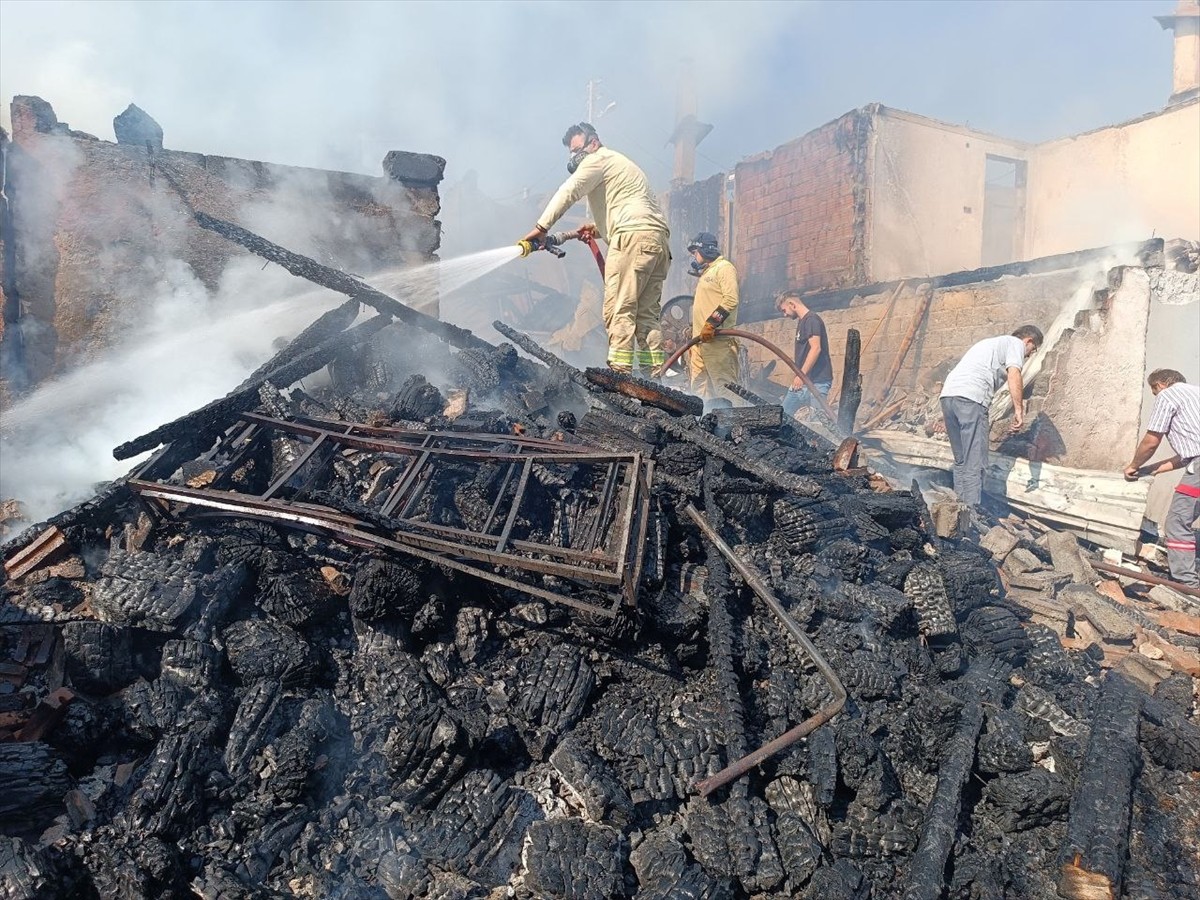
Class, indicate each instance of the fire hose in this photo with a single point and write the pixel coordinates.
(552, 243)
(746, 335)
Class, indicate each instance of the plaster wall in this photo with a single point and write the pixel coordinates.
(927, 195)
(1117, 184)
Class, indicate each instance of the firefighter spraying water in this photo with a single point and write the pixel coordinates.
(626, 216)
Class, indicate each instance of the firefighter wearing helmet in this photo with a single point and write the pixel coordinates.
(714, 361)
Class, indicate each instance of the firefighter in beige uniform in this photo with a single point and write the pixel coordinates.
(714, 361)
(628, 218)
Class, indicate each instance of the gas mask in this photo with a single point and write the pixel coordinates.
(698, 268)
(575, 159)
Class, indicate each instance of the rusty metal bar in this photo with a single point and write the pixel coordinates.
(405, 480)
(508, 473)
(1146, 577)
(554, 449)
(274, 510)
(516, 504)
(812, 723)
(360, 430)
(305, 513)
(647, 474)
(242, 445)
(597, 530)
(584, 556)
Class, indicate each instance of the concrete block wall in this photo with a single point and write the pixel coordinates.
(96, 227)
(956, 318)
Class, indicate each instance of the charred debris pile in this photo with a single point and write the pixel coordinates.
(525, 635)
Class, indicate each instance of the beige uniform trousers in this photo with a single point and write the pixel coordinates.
(712, 365)
(634, 273)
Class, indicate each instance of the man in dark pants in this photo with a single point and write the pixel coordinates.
(965, 397)
(811, 354)
(1176, 416)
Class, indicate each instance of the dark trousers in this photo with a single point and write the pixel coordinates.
(967, 428)
(1181, 538)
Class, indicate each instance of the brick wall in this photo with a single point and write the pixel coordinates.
(97, 228)
(799, 218)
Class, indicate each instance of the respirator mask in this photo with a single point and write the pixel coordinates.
(575, 159)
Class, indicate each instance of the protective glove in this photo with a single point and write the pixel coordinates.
(712, 323)
(587, 232)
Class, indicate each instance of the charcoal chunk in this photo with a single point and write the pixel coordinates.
(593, 781)
(99, 657)
(998, 630)
(554, 683)
(1026, 800)
(570, 858)
(259, 649)
(384, 589)
(478, 828)
(664, 871)
(33, 780)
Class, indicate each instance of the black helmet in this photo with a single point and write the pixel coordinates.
(706, 243)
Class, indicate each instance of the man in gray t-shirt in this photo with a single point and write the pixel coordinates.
(965, 397)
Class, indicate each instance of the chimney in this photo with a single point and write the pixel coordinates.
(1185, 22)
(689, 131)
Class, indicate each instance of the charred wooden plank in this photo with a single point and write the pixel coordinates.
(39, 551)
(927, 870)
(49, 713)
(325, 326)
(754, 419)
(851, 383)
(647, 392)
(310, 270)
(212, 418)
(1092, 858)
(722, 450)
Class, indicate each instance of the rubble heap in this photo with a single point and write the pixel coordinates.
(222, 705)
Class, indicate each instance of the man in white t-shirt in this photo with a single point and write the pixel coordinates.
(966, 395)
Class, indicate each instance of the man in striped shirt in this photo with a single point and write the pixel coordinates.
(1176, 416)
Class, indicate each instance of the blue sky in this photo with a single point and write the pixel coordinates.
(492, 85)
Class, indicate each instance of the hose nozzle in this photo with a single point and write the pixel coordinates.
(549, 242)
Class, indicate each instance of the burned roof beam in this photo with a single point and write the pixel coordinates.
(311, 270)
(212, 418)
(325, 326)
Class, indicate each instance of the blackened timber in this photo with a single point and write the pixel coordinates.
(303, 267)
(785, 481)
(530, 346)
(851, 383)
(326, 325)
(926, 876)
(1092, 859)
(212, 418)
